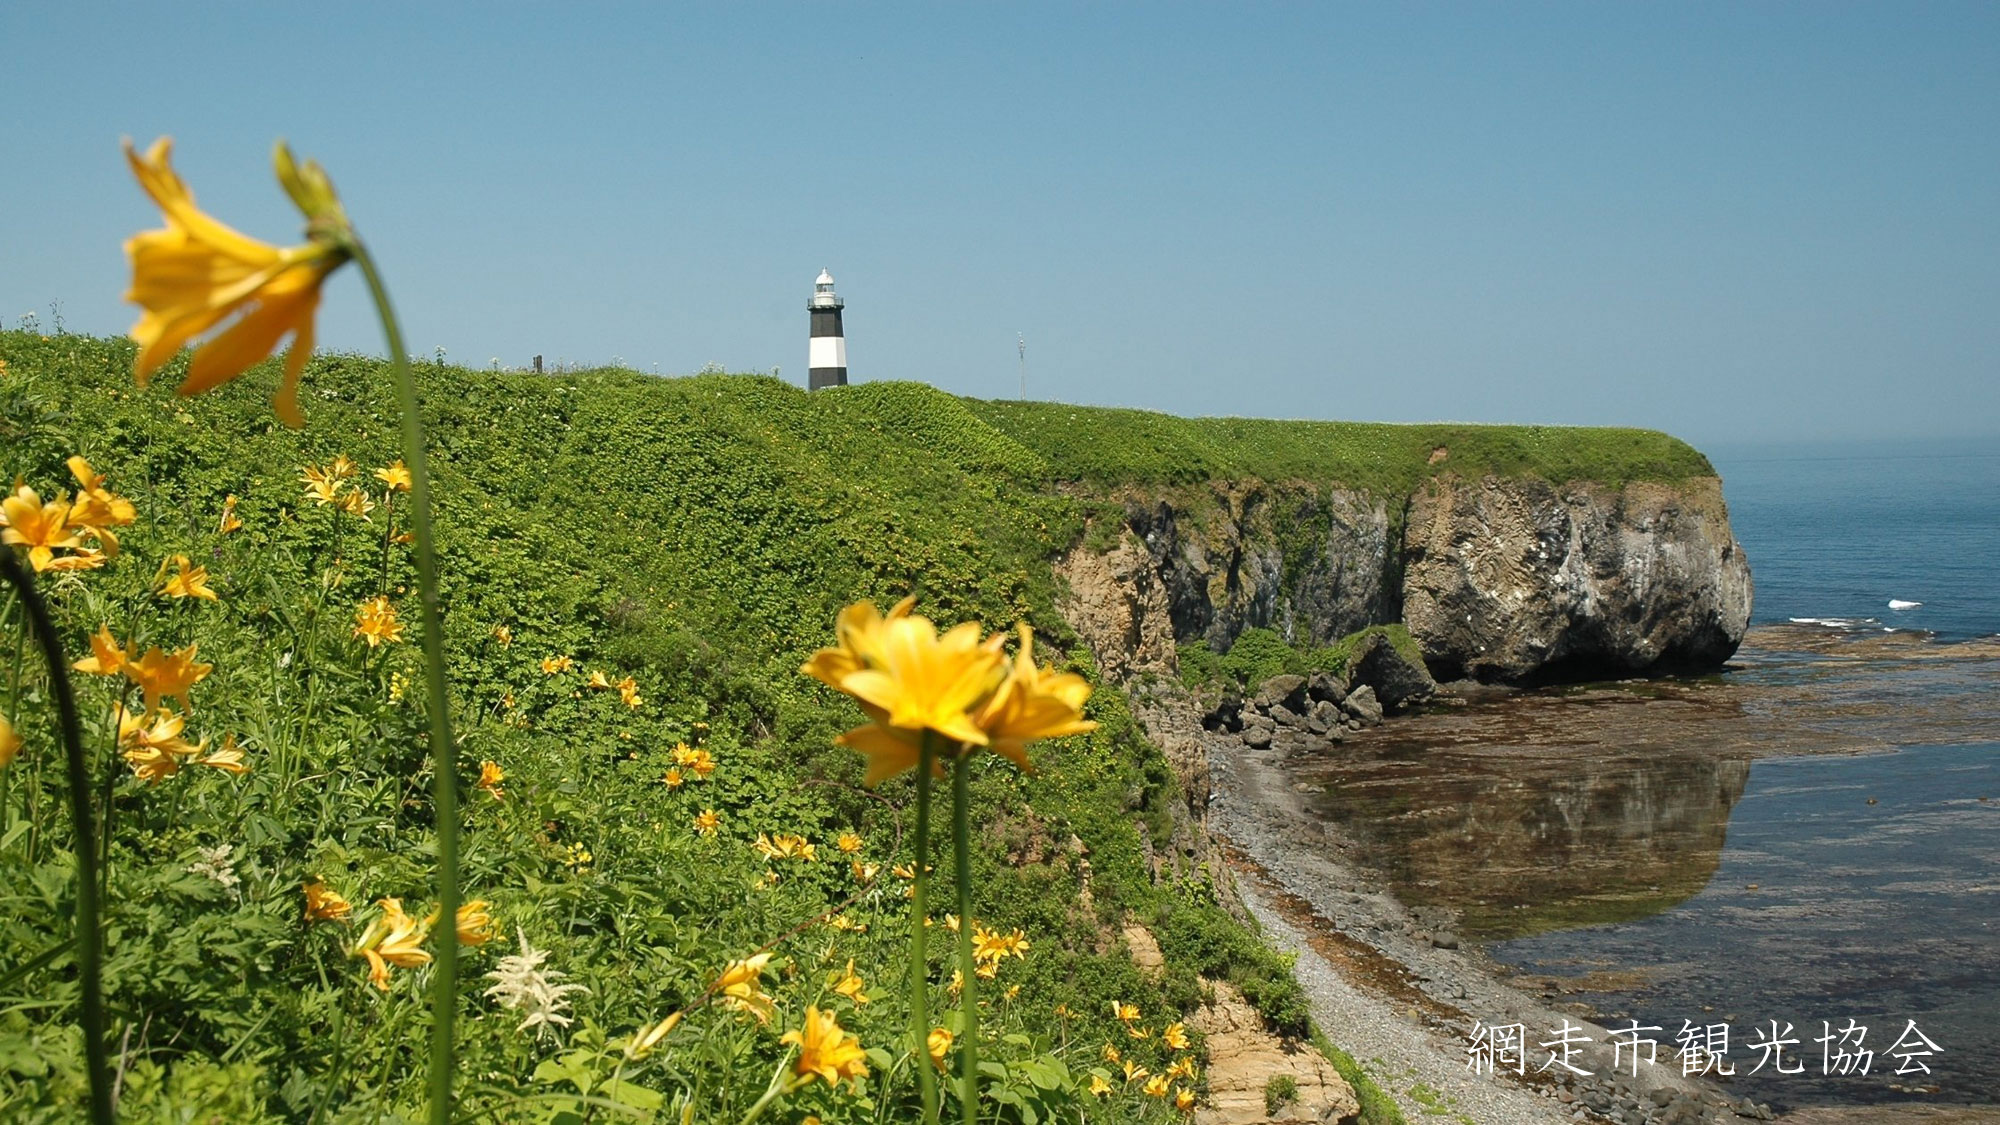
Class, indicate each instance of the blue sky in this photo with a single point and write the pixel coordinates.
(1734, 222)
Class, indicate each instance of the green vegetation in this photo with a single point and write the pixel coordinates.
(1113, 447)
(694, 537)
(1259, 654)
(1279, 1092)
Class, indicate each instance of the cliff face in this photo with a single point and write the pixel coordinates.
(1505, 579)
(1498, 578)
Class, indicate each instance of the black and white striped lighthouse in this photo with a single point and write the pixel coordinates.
(826, 356)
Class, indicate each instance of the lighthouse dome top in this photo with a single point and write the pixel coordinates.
(823, 295)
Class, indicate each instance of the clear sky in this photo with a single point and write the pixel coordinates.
(1733, 221)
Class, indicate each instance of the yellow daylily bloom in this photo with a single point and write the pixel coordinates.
(322, 486)
(938, 1044)
(598, 681)
(850, 985)
(503, 635)
(375, 621)
(229, 522)
(672, 779)
(1174, 1035)
(865, 872)
(197, 274)
(475, 926)
(190, 581)
(702, 763)
(707, 821)
(741, 986)
(553, 664)
(1133, 1071)
(396, 475)
(826, 1051)
(10, 742)
(858, 635)
(228, 758)
(1156, 1086)
(490, 777)
(356, 504)
(392, 938)
(1110, 1053)
(160, 675)
(97, 507)
(1124, 1012)
(1099, 1086)
(152, 744)
(1183, 1067)
(42, 528)
(323, 904)
(107, 657)
(848, 842)
(646, 1038)
(1032, 704)
(1183, 1099)
(342, 467)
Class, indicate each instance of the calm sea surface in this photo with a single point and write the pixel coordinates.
(1838, 532)
(1848, 888)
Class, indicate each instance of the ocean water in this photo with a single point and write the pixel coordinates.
(1847, 888)
(1835, 532)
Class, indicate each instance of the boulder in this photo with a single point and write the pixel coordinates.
(1325, 687)
(1325, 717)
(1282, 690)
(1286, 717)
(1258, 737)
(1362, 704)
(1398, 679)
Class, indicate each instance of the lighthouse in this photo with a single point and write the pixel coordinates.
(826, 356)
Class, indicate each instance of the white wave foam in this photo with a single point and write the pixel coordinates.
(1898, 603)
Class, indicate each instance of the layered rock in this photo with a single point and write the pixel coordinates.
(1499, 578)
(1516, 578)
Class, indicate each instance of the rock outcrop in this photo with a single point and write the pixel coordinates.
(1516, 578)
(1501, 578)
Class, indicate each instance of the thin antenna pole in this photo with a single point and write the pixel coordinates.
(1021, 344)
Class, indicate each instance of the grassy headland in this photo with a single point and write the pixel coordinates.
(694, 537)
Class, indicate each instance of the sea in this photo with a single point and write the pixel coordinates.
(1830, 919)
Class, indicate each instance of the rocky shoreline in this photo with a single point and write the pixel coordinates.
(1393, 982)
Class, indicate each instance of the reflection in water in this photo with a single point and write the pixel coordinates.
(1524, 842)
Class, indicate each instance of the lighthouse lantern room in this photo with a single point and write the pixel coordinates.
(826, 356)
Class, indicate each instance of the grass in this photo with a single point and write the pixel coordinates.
(696, 537)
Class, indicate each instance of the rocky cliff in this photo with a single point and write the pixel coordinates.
(1498, 578)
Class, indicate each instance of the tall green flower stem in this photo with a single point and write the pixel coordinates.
(920, 1017)
(89, 925)
(444, 764)
(968, 1002)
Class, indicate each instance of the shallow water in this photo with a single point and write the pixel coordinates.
(1705, 849)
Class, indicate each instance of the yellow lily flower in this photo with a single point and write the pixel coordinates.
(42, 528)
(1033, 704)
(228, 758)
(356, 504)
(475, 926)
(323, 904)
(1156, 1086)
(938, 1044)
(392, 938)
(1174, 1035)
(646, 1038)
(160, 675)
(1183, 1099)
(490, 777)
(375, 621)
(396, 475)
(826, 1051)
(190, 581)
(152, 744)
(707, 821)
(848, 842)
(741, 986)
(1099, 1086)
(850, 985)
(96, 507)
(197, 273)
(107, 657)
(229, 521)
(10, 742)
